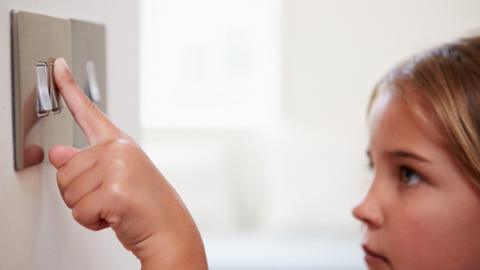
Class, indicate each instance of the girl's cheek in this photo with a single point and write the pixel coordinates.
(412, 236)
(425, 233)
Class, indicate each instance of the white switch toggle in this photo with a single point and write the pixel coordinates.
(92, 85)
(48, 99)
(44, 102)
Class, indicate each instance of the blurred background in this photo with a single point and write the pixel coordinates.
(255, 110)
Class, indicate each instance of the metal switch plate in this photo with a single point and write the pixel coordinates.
(89, 66)
(37, 39)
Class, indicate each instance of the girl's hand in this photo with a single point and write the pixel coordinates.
(114, 184)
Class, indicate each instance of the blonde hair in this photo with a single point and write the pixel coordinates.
(447, 78)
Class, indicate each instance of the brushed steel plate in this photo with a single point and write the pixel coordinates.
(36, 38)
(88, 44)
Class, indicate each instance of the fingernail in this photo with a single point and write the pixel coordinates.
(61, 61)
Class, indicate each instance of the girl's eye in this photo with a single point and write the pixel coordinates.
(409, 177)
(370, 165)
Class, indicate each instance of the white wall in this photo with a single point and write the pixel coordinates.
(334, 52)
(36, 228)
(305, 176)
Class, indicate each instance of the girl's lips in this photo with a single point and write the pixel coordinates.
(374, 257)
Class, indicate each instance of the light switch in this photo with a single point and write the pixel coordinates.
(89, 66)
(48, 99)
(44, 102)
(92, 85)
(38, 121)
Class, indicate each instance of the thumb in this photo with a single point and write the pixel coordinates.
(61, 154)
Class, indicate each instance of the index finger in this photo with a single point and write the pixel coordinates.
(96, 126)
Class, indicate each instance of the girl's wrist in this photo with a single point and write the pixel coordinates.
(191, 260)
(179, 254)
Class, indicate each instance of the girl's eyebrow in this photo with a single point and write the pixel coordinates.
(407, 154)
(404, 154)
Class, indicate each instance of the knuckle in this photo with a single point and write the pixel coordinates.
(76, 213)
(86, 109)
(90, 106)
(119, 153)
(118, 193)
(121, 145)
(61, 178)
(118, 165)
(68, 198)
(61, 173)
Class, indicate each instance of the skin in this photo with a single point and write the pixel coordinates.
(114, 184)
(421, 211)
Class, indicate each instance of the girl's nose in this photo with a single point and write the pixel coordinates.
(369, 211)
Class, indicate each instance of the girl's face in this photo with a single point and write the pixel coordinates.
(421, 211)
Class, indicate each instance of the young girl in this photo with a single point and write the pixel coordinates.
(423, 207)
(422, 210)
